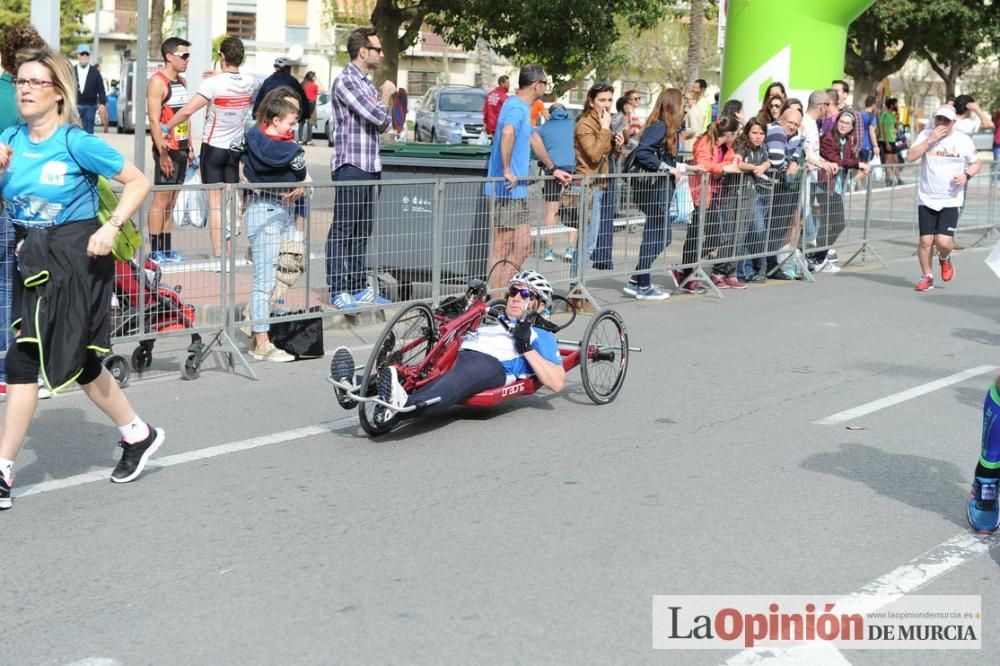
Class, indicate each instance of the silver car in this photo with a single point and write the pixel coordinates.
(450, 114)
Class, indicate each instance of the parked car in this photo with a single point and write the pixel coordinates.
(323, 122)
(450, 114)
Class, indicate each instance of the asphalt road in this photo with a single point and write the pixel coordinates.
(534, 533)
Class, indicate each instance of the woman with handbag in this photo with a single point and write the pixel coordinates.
(594, 144)
(63, 259)
(657, 153)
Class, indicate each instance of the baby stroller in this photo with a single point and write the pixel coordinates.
(144, 306)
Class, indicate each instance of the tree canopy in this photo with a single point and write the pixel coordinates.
(71, 29)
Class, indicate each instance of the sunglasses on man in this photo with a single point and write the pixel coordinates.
(523, 292)
(183, 56)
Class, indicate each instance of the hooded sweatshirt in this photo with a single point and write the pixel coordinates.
(270, 159)
(557, 135)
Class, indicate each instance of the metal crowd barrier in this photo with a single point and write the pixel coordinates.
(426, 238)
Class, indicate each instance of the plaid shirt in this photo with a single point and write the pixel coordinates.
(360, 118)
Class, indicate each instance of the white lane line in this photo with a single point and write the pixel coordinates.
(903, 396)
(191, 456)
(915, 574)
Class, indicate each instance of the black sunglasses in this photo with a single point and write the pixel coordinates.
(523, 292)
(373, 48)
(183, 56)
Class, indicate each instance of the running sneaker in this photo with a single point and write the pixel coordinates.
(389, 388)
(569, 254)
(831, 255)
(343, 301)
(368, 296)
(135, 456)
(342, 365)
(630, 288)
(982, 511)
(733, 283)
(718, 281)
(757, 278)
(694, 287)
(828, 267)
(947, 270)
(926, 283)
(268, 352)
(5, 485)
(549, 256)
(159, 257)
(651, 293)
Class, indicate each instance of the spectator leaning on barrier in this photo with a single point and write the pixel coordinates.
(270, 155)
(511, 159)
(48, 167)
(91, 98)
(756, 192)
(816, 109)
(166, 94)
(557, 135)
(784, 150)
(713, 151)
(491, 106)
(595, 146)
(948, 161)
(228, 94)
(837, 147)
(362, 114)
(657, 153)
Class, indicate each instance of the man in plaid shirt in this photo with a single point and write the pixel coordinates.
(361, 113)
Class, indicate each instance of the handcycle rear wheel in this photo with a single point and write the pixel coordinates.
(604, 357)
(405, 341)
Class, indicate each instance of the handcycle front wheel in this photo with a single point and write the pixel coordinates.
(405, 341)
(604, 357)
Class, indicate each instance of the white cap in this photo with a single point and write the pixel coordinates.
(946, 111)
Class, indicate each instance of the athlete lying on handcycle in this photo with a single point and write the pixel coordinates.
(492, 355)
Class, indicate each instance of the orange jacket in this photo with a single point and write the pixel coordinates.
(707, 156)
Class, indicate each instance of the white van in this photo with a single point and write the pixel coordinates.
(126, 93)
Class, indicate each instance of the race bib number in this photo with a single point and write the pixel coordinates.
(182, 131)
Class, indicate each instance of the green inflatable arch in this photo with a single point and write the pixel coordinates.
(800, 44)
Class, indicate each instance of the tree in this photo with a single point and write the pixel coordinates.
(568, 37)
(71, 29)
(880, 42)
(694, 47)
(971, 35)
(156, 10)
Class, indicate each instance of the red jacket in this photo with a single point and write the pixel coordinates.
(831, 150)
(707, 156)
(491, 108)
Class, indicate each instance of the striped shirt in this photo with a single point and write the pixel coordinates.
(360, 118)
(782, 150)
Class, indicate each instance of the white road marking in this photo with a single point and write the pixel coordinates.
(95, 661)
(191, 456)
(903, 396)
(915, 574)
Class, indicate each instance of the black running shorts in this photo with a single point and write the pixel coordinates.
(937, 222)
(218, 165)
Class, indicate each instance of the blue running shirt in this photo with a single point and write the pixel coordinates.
(46, 184)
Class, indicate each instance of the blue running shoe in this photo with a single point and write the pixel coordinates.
(368, 296)
(158, 257)
(343, 301)
(984, 517)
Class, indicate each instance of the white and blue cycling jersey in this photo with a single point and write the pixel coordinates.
(498, 342)
(54, 181)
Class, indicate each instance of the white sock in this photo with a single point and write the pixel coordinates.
(135, 430)
(7, 469)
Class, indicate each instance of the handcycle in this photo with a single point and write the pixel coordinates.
(423, 344)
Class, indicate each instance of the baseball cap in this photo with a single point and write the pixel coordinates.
(282, 61)
(946, 111)
(83, 48)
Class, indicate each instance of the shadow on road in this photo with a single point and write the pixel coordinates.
(924, 483)
(92, 445)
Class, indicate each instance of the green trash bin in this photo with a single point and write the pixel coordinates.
(406, 211)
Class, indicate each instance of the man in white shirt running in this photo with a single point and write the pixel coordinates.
(949, 161)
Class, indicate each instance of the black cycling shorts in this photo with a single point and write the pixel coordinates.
(218, 165)
(180, 160)
(937, 222)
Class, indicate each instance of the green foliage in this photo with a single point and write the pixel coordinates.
(71, 29)
(216, 45)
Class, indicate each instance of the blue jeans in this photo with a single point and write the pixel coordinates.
(88, 114)
(656, 233)
(593, 227)
(268, 223)
(996, 160)
(6, 287)
(347, 240)
(755, 240)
